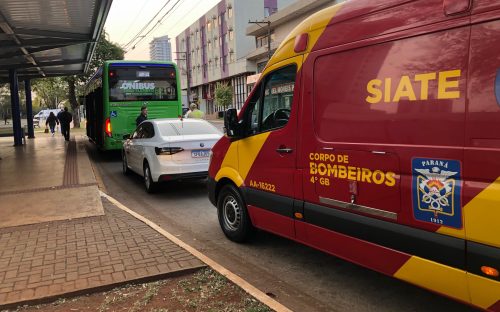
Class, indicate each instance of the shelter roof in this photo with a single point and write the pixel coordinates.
(44, 38)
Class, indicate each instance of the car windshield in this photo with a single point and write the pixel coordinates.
(186, 128)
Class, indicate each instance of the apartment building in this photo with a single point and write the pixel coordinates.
(279, 25)
(160, 49)
(215, 48)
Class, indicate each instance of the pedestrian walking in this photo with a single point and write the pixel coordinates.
(5, 117)
(59, 118)
(195, 112)
(65, 119)
(51, 122)
(142, 116)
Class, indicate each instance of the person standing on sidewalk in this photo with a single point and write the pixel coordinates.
(65, 119)
(143, 116)
(51, 122)
(195, 112)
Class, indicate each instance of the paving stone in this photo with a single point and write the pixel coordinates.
(52, 258)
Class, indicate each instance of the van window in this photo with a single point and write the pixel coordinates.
(271, 104)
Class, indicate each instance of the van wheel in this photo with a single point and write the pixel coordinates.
(233, 215)
(148, 180)
(125, 168)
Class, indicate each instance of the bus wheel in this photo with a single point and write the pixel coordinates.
(233, 215)
(148, 180)
(125, 168)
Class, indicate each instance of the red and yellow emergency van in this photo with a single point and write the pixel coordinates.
(373, 134)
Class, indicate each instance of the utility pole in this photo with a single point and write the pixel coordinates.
(268, 35)
(188, 91)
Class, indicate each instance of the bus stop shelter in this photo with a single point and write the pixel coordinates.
(41, 38)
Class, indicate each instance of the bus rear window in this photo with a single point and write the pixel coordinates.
(143, 83)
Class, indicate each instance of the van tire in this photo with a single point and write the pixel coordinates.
(148, 180)
(233, 215)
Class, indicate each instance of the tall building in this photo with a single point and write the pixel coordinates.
(215, 49)
(160, 49)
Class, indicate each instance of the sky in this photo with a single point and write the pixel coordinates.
(127, 17)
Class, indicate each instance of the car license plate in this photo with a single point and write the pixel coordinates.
(200, 153)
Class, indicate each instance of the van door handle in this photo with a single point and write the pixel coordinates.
(284, 150)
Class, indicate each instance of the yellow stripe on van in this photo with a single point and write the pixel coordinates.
(482, 217)
(314, 25)
(435, 276)
(484, 292)
(240, 156)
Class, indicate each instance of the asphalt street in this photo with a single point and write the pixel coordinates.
(299, 277)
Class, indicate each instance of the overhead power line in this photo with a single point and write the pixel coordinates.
(145, 26)
(157, 24)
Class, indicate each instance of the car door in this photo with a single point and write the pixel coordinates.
(267, 155)
(131, 149)
(146, 143)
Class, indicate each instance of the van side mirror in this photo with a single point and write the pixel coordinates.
(231, 123)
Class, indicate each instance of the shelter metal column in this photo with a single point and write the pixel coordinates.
(16, 112)
(29, 109)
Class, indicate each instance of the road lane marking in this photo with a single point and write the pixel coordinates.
(246, 286)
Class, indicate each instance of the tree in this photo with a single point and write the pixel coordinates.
(223, 94)
(105, 50)
(51, 91)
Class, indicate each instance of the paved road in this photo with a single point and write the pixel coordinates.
(297, 276)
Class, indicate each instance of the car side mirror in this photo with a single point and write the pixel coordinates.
(231, 122)
(126, 136)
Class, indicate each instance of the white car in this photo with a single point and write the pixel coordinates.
(169, 149)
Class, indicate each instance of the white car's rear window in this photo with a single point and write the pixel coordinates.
(186, 128)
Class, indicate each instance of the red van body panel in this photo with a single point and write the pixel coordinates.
(390, 157)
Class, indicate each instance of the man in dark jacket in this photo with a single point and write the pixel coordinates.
(58, 116)
(65, 119)
(143, 116)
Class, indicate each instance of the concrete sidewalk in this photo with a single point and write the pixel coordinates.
(58, 237)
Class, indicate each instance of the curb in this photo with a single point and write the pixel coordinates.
(102, 288)
(243, 284)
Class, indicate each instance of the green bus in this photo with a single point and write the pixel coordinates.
(117, 91)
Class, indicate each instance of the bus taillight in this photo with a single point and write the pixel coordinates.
(107, 127)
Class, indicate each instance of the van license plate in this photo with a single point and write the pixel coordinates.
(200, 153)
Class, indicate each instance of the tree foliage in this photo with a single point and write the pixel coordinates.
(105, 50)
(51, 91)
(223, 94)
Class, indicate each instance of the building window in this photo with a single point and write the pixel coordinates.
(230, 11)
(261, 41)
(231, 34)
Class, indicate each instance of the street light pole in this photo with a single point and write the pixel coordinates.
(188, 84)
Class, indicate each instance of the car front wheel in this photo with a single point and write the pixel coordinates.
(148, 180)
(233, 215)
